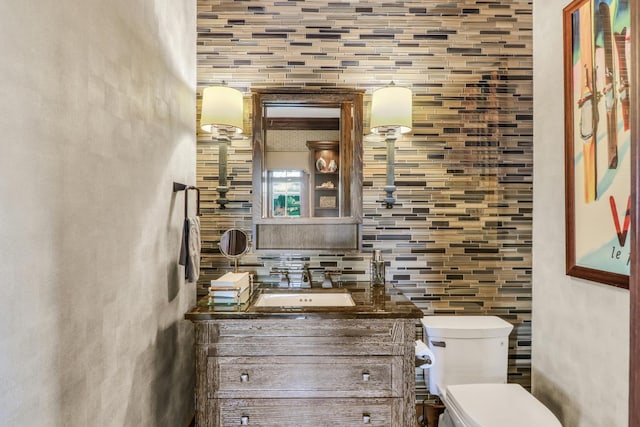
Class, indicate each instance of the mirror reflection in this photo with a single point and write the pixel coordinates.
(234, 243)
(307, 168)
(302, 158)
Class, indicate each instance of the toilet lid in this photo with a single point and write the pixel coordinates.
(498, 405)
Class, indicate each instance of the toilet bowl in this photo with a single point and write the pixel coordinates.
(470, 375)
(494, 405)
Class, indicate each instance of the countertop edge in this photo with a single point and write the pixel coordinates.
(371, 303)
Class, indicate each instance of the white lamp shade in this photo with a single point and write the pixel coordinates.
(391, 108)
(221, 108)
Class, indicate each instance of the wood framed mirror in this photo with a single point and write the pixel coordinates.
(307, 169)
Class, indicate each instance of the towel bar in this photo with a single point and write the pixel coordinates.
(183, 187)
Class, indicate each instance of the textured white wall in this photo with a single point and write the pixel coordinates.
(97, 109)
(580, 328)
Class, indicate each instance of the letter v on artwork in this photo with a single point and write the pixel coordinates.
(621, 232)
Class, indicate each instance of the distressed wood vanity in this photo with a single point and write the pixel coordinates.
(311, 366)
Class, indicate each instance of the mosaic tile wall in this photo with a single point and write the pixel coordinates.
(459, 240)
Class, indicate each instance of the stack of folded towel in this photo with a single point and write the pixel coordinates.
(232, 288)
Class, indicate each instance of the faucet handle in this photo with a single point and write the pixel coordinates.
(307, 278)
(333, 276)
(283, 276)
(284, 279)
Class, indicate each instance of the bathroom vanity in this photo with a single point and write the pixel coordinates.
(307, 366)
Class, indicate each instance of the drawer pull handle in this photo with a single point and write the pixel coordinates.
(366, 419)
(366, 376)
(244, 421)
(244, 378)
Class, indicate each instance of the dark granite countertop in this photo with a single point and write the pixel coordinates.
(370, 303)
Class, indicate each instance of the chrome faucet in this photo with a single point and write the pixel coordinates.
(293, 276)
(307, 278)
(300, 276)
(284, 279)
(327, 282)
(283, 275)
(332, 278)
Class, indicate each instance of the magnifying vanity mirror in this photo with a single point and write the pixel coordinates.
(234, 243)
(307, 169)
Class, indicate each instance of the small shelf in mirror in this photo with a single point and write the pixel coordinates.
(325, 158)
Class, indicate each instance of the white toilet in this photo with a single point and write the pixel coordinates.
(469, 373)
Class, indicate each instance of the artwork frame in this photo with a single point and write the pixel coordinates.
(327, 202)
(597, 140)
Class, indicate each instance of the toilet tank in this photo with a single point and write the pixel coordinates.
(467, 350)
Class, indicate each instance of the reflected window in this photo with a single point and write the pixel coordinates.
(287, 193)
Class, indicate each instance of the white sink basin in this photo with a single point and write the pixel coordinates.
(305, 299)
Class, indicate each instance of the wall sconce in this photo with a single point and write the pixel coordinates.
(391, 115)
(222, 115)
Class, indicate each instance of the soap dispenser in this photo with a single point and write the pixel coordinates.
(377, 269)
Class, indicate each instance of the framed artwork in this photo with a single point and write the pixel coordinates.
(597, 140)
(328, 202)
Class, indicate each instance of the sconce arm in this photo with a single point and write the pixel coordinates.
(390, 187)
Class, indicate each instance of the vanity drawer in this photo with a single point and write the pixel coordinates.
(269, 337)
(310, 412)
(305, 376)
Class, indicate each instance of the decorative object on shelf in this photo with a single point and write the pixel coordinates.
(329, 185)
(333, 166)
(327, 202)
(321, 165)
(598, 202)
(391, 115)
(222, 115)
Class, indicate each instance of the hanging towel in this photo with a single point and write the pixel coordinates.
(192, 269)
(184, 245)
(190, 249)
